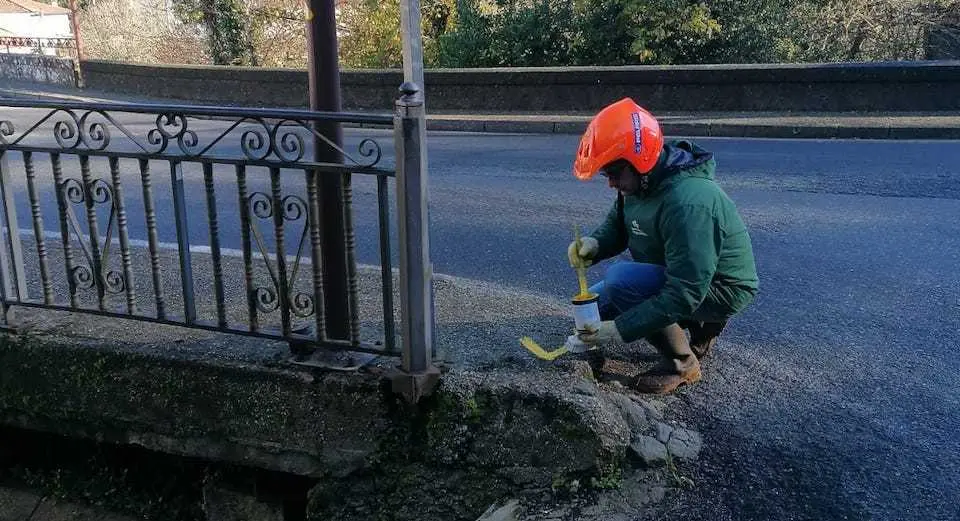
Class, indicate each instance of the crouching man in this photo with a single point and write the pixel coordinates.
(693, 266)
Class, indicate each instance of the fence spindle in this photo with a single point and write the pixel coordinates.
(93, 230)
(59, 188)
(183, 242)
(215, 243)
(386, 264)
(151, 217)
(38, 228)
(283, 283)
(124, 237)
(351, 246)
(247, 250)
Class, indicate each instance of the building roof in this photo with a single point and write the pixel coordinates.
(30, 6)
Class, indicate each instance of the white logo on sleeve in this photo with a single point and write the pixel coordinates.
(635, 229)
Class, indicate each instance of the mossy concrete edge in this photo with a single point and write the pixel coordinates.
(318, 425)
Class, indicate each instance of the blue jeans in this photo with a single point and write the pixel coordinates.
(627, 284)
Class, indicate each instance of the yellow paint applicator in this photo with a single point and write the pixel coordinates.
(586, 308)
(585, 311)
(581, 269)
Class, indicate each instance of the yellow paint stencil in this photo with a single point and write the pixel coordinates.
(538, 351)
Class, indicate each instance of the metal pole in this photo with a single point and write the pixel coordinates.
(77, 42)
(417, 376)
(412, 43)
(324, 75)
(412, 40)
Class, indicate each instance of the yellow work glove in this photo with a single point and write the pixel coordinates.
(606, 334)
(588, 250)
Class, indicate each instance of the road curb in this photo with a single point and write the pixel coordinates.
(746, 130)
(811, 131)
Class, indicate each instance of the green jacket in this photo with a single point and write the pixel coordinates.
(685, 222)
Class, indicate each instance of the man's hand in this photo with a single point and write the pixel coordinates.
(607, 334)
(588, 250)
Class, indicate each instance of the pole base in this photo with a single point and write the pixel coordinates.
(5, 325)
(413, 387)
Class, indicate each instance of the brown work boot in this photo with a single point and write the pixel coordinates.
(679, 365)
(703, 336)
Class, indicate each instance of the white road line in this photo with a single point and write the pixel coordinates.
(139, 243)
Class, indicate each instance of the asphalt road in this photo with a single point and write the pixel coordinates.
(833, 397)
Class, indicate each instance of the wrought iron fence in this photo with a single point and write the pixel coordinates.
(62, 47)
(93, 170)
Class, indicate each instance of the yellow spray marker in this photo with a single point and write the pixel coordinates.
(585, 310)
(539, 352)
(586, 305)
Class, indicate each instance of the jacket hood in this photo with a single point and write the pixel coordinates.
(682, 159)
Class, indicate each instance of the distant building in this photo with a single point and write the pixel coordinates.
(31, 19)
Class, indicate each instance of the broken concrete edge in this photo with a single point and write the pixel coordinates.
(546, 429)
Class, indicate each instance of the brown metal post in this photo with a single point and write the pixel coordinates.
(324, 76)
(77, 42)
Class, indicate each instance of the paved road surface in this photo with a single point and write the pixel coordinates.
(835, 395)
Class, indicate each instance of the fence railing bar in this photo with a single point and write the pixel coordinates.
(204, 110)
(351, 247)
(215, 244)
(279, 213)
(125, 259)
(386, 264)
(90, 203)
(254, 321)
(59, 188)
(151, 221)
(38, 234)
(183, 241)
(313, 201)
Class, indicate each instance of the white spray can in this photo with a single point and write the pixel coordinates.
(586, 316)
(586, 312)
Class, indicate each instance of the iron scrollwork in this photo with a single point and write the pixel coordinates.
(278, 140)
(292, 208)
(97, 191)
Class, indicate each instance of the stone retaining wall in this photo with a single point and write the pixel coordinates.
(37, 69)
(908, 86)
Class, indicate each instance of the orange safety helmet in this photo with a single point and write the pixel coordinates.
(622, 130)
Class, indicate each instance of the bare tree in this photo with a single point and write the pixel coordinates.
(143, 31)
(865, 30)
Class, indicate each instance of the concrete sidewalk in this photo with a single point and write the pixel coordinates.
(873, 125)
